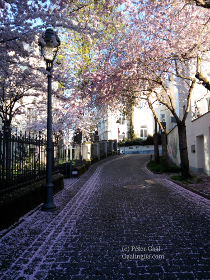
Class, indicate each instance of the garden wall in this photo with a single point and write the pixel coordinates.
(173, 146)
(17, 203)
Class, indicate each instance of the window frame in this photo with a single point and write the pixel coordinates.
(143, 130)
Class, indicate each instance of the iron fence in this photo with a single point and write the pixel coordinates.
(22, 158)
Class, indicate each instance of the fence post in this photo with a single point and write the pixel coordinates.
(39, 158)
(70, 160)
(3, 165)
(7, 133)
(2, 143)
(104, 142)
(88, 150)
(97, 143)
(111, 146)
(53, 163)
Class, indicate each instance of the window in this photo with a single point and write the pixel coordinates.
(208, 104)
(143, 131)
(173, 120)
(142, 105)
(197, 111)
(163, 117)
(31, 115)
(121, 119)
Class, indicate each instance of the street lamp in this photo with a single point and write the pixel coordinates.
(49, 43)
(124, 140)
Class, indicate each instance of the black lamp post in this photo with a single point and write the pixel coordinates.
(49, 43)
(124, 140)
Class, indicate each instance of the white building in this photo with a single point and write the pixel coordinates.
(117, 126)
(198, 131)
(197, 126)
(143, 121)
(113, 127)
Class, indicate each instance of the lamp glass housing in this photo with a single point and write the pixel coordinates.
(49, 43)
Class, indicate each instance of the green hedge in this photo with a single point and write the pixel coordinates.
(139, 141)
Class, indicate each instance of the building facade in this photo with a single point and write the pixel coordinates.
(197, 125)
(118, 126)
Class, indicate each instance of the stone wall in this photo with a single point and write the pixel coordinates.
(173, 146)
(17, 203)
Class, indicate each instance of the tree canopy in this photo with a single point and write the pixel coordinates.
(21, 67)
(159, 40)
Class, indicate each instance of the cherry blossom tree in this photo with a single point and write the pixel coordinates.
(159, 40)
(78, 54)
(21, 23)
(21, 72)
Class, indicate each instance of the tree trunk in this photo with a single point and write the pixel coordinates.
(164, 148)
(183, 150)
(156, 150)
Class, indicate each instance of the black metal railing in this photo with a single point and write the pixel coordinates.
(22, 158)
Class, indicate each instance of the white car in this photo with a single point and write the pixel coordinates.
(120, 152)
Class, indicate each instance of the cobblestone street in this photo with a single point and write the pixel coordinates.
(117, 221)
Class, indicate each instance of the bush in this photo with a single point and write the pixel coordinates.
(160, 169)
(149, 140)
(139, 141)
(178, 178)
(135, 142)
